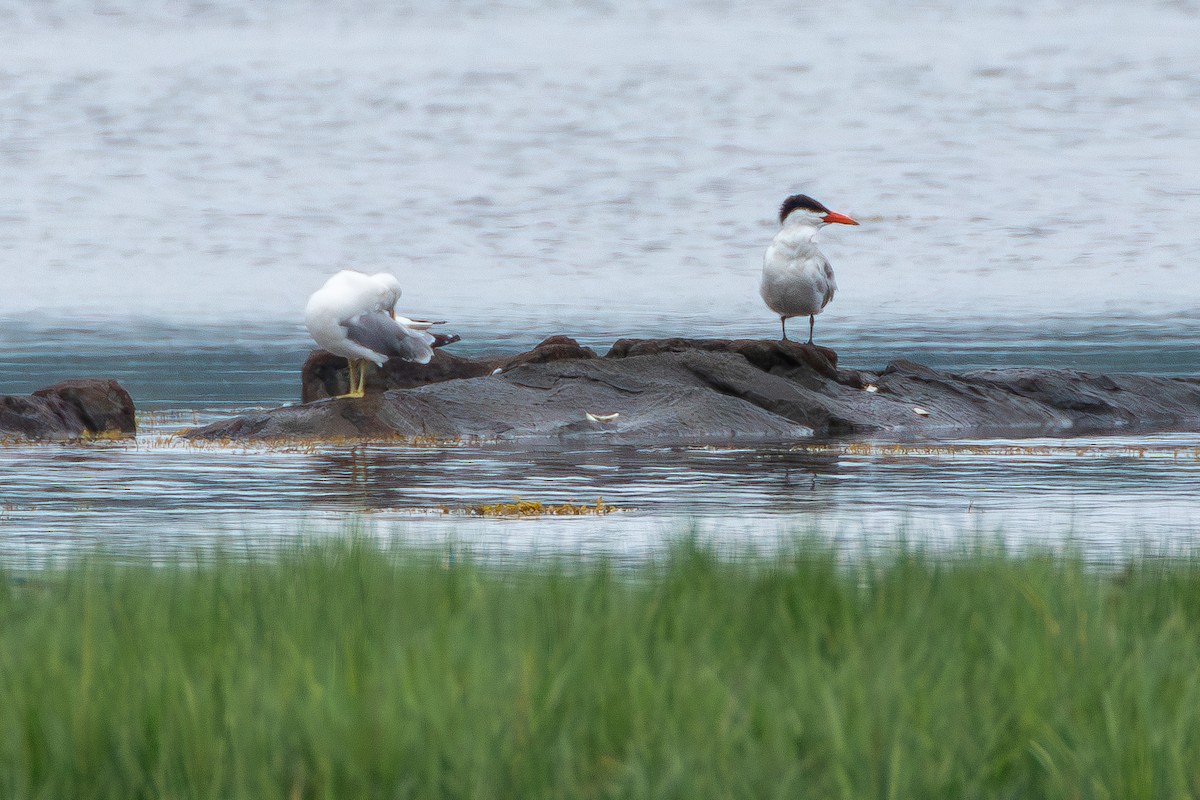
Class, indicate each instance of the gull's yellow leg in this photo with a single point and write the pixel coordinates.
(357, 372)
(357, 376)
(358, 384)
(351, 373)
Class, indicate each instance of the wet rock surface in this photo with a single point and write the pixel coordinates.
(709, 391)
(324, 374)
(74, 409)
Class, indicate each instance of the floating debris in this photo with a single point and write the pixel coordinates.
(531, 508)
(921, 411)
(602, 417)
(870, 387)
(105, 436)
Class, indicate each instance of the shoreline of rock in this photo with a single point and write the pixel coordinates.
(649, 392)
(707, 391)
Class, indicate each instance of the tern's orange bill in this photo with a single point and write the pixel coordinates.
(834, 216)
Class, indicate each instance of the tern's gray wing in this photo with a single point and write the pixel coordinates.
(831, 285)
(377, 331)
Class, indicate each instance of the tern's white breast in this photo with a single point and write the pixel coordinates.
(796, 279)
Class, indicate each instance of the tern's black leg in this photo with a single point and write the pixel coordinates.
(783, 325)
(812, 320)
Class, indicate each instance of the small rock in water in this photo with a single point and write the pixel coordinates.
(83, 408)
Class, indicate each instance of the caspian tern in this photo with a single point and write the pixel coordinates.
(796, 277)
(353, 315)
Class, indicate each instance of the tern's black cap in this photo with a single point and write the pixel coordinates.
(800, 201)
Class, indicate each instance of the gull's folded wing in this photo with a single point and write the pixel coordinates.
(377, 331)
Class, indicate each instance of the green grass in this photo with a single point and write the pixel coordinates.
(344, 671)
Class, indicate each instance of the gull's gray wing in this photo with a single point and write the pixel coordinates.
(377, 331)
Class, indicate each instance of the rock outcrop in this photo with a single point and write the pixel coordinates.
(325, 375)
(74, 409)
(710, 391)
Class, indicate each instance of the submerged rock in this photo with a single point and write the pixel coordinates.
(710, 391)
(74, 409)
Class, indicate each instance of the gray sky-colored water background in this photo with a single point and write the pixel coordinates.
(177, 177)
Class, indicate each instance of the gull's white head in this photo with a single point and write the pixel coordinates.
(389, 289)
(802, 210)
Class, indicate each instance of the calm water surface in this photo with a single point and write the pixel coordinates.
(179, 176)
(1109, 495)
(549, 161)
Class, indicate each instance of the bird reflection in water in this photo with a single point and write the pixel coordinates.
(687, 480)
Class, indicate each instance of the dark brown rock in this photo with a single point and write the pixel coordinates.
(698, 391)
(325, 375)
(73, 409)
(556, 348)
(777, 357)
